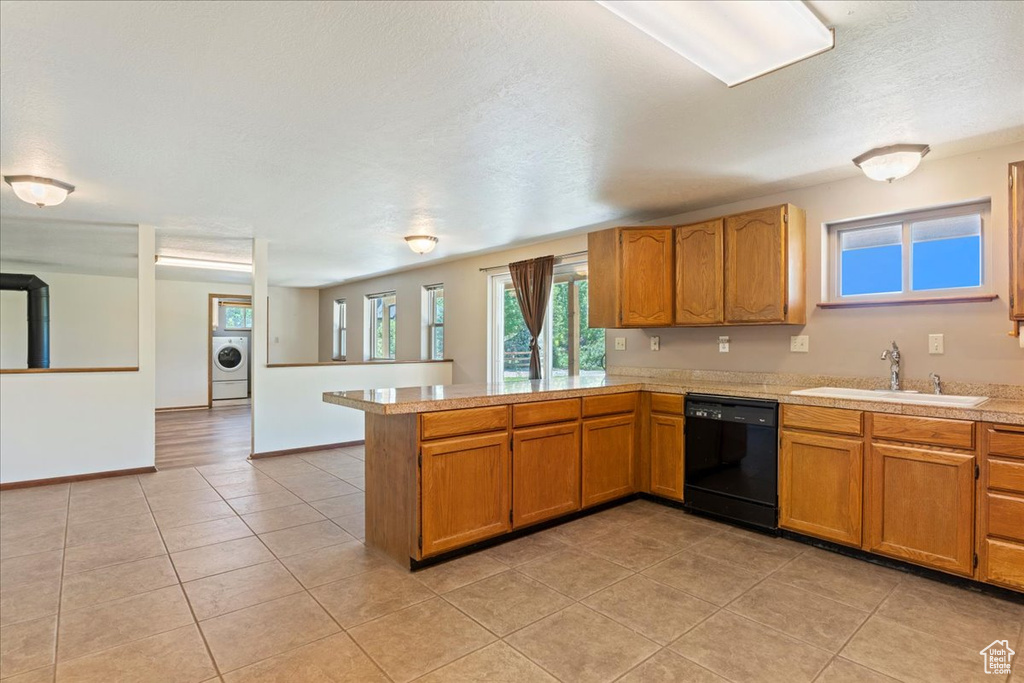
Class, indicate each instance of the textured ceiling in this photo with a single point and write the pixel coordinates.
(333, 129)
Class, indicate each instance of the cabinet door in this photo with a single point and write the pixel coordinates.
(464, 491)
(821, 486)
(545, 472)
(1017, 240)
(755, 273)
(667, 456)
(921, 506)
(608, 457)
(647, 276)
(699, 268)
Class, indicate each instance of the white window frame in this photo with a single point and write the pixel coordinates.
(430, 321)
(369, 347)
(340, 329)
(833, 273)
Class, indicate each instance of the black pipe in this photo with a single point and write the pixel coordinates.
(38, 315)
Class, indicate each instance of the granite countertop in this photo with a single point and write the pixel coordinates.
(405, 400)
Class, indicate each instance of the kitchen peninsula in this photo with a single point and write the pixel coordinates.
(448, 467)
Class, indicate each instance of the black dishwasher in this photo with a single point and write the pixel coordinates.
(732, 452)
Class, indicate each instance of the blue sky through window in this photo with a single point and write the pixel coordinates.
(944, 264)
(874, 270)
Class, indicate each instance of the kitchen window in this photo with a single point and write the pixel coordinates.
(909, 256)
(434, 295)
(340, 329)
(381, 310)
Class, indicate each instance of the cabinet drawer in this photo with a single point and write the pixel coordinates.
(468, 421)
(1005, 563)
(1006, 516)
(817, 419)
(927, 430)
(1006, 440)
(667, 403)
(609, 404)
(545, 412)
(1007, 475)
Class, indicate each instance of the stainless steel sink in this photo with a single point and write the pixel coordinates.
(886, 396)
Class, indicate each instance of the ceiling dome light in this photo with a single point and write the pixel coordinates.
(892, 162)
(421, 244)
(39, 191)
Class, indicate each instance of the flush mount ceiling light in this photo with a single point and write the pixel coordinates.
(421, 244)
(202, 263)
(892, 162)
(39, 191)
(734, 41)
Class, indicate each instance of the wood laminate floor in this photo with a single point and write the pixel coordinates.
(191, 438)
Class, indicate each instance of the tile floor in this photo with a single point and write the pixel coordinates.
(256, 572)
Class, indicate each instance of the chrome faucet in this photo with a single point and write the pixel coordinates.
(936, 383)
(893, 356)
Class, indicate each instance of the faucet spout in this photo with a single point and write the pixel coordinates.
(893, 356)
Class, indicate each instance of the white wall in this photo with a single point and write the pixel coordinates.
(61, 424)
(294, 320)
(94, 321)
(182, 340)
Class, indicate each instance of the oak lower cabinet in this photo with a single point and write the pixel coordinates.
(921, 506)
(545, 472)
(1001, 506)
(667, 459)
(821, 480)
(465, 491)
(609, 458)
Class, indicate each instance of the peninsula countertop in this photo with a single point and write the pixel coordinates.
(423, 399)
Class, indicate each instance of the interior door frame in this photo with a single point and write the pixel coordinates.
(209, 338)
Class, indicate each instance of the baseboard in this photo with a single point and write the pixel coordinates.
(75, 477)
(305, 449)
(171, 409)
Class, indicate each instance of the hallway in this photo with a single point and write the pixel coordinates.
(192, 438)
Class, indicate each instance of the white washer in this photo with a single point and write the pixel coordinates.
(230, 367)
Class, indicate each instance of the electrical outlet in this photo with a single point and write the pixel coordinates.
(723, 345)
(936, 344)
(620, 343)
(800, 344)
(655, 343)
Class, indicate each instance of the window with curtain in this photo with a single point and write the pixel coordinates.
(435, 321)
(381, 315)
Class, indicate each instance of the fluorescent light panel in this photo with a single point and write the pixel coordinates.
(202, 263)
(735, 40)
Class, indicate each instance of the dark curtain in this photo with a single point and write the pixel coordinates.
(532, 282)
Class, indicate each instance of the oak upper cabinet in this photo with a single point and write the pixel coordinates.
(764, 266)
(1016, 215)
(609, 447)
(465, 491)
(699, 273)
(545, 472)
(632, 277)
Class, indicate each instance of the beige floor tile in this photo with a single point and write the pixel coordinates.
(367, 596)
(109, 624)
(742, 650)
(284, 466)
(526, 549)
(108, 553)
(119, 581)
(578, 644)
(582, 530)
(182, 499)
(264, 501)
(186, 515)
(630, 549)
(574, 573)
(506, 602)
(704, 577)
(459, 572)
(419, 639)
(300, 539)
(235, 476)
(668, 667)
(760, 555)
(179, 484)
(43, 675)
(177, 656)
(221, 593)
(336, 562)
(255, 487)
(806, 616)
(316, 486)
(358, 482)
(220, 557)
(205, 533)
(107, 509)
(281, 518)
(335, 659)
(340, 506)
(844, 671)
(27, 645)
(249, 635)
(31, 568)
(225, 467)
(676, 530)
(35, 498)
(29, 601)
(630, 513)
(18, 539)
(852, 582)
(654, 610)
(107, 487)
(115, 529)
(912, 656)
(355, 525)
(496, 663)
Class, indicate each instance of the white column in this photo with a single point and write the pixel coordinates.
(147, 343)
(258, 343)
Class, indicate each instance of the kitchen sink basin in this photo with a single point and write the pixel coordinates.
(886, 396)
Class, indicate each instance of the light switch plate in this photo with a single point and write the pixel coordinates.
(800, 344)
(936, 344)
(655, 343)
(723, 345)
(620, 343)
